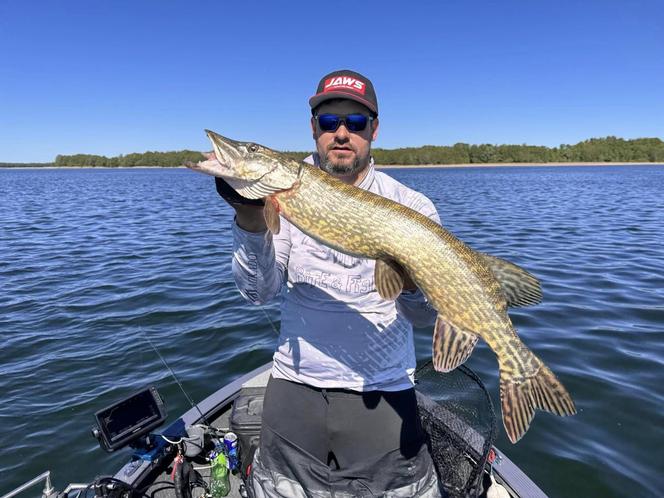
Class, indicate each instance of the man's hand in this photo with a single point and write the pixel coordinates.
(249, 212)
(250, 218)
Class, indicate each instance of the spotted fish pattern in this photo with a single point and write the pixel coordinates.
(470, 291)
(458, 282)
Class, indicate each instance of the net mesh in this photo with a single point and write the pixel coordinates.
(460, 423)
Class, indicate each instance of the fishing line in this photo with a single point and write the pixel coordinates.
(193, 405)
(268, 319)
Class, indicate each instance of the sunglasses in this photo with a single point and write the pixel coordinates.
(354, 122)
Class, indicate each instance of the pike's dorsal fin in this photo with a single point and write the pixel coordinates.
(271, 215)
(451, 346)
(388, 278)
(519, 287)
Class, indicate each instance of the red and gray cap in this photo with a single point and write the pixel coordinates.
(345, 84)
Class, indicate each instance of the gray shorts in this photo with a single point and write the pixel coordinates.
(335, 442)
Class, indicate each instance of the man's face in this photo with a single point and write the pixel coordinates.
(342, 152)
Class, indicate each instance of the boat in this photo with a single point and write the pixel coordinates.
(478, 467)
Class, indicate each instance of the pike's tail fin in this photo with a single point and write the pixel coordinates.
(520, 397)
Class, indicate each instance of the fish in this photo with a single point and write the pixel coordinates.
(470, 291)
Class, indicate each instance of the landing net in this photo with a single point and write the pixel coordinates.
(460, 422)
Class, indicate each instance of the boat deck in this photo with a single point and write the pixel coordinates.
(217, 409)
(163, 484)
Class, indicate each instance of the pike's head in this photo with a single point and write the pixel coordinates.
(252, 170)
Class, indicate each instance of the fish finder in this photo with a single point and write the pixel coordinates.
(126, 421)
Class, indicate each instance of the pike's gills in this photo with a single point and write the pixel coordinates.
(469, 290)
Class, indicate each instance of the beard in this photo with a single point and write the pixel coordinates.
(343, 168)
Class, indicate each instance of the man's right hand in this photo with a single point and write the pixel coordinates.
(250, 218)
(248, 212)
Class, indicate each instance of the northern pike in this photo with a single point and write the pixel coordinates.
(469, 290)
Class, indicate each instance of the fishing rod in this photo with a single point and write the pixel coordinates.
(163, 360)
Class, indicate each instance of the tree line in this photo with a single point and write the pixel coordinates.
(26, 165)
(608, 149)
(150, 158)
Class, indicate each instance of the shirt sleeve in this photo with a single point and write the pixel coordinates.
(413, 304)
(260, 262)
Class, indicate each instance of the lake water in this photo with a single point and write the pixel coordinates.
(93, 259)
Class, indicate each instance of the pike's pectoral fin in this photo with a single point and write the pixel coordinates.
(271, 215)
(451, 346)
(519, 287)
(519, 399)
(389, 277)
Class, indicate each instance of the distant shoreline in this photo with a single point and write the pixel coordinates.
(93, 167)
(378, 166)
(501, 165)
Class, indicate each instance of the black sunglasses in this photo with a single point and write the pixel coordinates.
(354, 122)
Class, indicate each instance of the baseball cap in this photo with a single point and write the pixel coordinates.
(345, 84)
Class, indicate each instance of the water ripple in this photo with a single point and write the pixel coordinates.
(96, 260)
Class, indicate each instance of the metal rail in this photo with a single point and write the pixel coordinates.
(48, 491)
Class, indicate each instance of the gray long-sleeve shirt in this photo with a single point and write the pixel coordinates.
(336, 331)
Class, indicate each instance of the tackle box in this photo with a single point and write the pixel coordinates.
(245, 421)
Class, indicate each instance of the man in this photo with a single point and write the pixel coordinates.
(340, 415)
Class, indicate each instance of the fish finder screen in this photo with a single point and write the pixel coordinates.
(129, 415)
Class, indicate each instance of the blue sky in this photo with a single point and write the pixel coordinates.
(114, 77)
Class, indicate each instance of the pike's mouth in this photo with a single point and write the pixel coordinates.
(211, 167)
(219, 168)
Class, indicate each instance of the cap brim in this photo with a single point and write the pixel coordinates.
(318, 99)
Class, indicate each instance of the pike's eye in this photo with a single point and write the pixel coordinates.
(252, 148)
